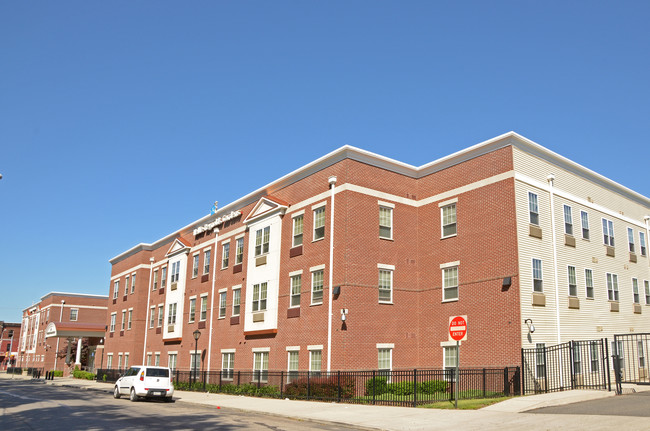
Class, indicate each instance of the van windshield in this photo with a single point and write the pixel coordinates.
(157, 372)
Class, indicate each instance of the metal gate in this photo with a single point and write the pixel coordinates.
(630, 359)
(572, 365)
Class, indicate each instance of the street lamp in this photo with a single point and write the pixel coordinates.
(102, 364)
(197, 335)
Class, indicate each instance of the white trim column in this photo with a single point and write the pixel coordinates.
(78, 358)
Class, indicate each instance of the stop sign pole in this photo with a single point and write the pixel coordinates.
(458, 333)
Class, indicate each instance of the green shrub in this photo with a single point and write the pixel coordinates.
(104, 377)
(380, 385)
(78, 374)
(432, 386)
(57, 373)
(401, 388)
(321, 387)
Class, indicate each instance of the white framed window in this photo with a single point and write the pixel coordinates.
(126, 361)
(533, 208)
(222, 305)
(261, 366)
(448, 216)
(119, 361)
(172, 360)
(239, 252)
(157, 360)
(540, 360)
(109, 361)
(315, 361)
(192, 313)
(617, 349)
(195, 360)
(385, 362)
(642, 245)
(123, 320)
(225, 255)
(319, 223)
(126, 285)
(297, 230)
(608, 232)
(589, 283)
(227, 365)
(573, 283)
(262, 238)
(450, 353)
(148, 359)
(132, 283)
(113, 318)
(538, 285)
(236, 301)
(176, 271)
(171, 316)
(640, 353)
(259, 297)
(568, 220)
(450, 283)
(152, 316)
(155, 280)
(163, 278)
(612, 287)
(116, 288)
(160, 315)
(204, 308)
(195, 265)
(129, 319)
(317, 287)
(646, 284)
(635, 291)
(74, 313)
(630, 239)
(296, 285)
(385, 285)
(594, 357)
(206, 261)
(584, 220)
(385, 222)
(292, 367)
(576, 356)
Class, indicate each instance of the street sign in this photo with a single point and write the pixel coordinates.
(458, 328)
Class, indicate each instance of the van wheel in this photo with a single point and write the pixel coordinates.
(133, 396)
(116, 392)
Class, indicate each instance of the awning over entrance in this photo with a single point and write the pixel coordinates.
(74, 329)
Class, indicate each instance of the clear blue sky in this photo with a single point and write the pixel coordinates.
(123, 121)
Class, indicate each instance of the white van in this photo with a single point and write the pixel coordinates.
(144, 381)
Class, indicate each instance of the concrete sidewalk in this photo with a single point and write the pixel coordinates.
(495, 417)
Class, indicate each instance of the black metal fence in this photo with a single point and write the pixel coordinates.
(630, 359)
(572, 365)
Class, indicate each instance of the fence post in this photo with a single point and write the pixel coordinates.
(545, 369)
(374, 382)
(451, 374)
(506, 382)
(605, 363)
(205, 376)
(572, 369)
(517, 381)
(484, 371)
(281, 382)
(523, 374)
(259, 378)
(415, 387)
(338, 383)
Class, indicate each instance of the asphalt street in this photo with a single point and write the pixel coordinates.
(637, 404)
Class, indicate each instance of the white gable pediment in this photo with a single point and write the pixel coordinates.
(265, 207)
(178, 247)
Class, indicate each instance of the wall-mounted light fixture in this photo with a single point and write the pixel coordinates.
(529, 323)
(344, 312)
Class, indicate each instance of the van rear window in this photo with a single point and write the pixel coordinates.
(157, 372)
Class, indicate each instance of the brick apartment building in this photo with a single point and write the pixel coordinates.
(356, 261)
(59, 322)
(9, 336)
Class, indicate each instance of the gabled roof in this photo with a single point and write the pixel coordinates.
(266, 206)
(178, 246)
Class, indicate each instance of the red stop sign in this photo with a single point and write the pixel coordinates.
(457, 328)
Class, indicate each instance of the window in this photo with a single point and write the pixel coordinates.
(573, 284)
(176, 270)
(204, 308)
(617, 349)
(448, 220)
(227, 365)
(647, 292)
(152, 316)
(109, 361)
(163, 278)
(123, 319)
(537, 276)
(293, 366)
(385, 222)
(222, 305)
(172, 361)
(160, 315)
(155, 280)
(296, 282)
(126, 285)
(206, 261)
(630, 239)
(315, 359)
(612, 287)
(568, 220)
(594, 357)
(73, 314)
(171, 316)
(126, 361)
(451, 353)
(641, 353)
(130, 319)
(317, 287)
(608, 232)
(148, 359)
(635, 291)
(195, 361)
(259, 297)
(533, 208)
(297, 230)
(236, 301)
(589, 283)
(113, 316)
(116, 288)
(239, 251)
(319, 223)
(192, 309)
(157, 360)
(119, 361)
(261, 366)
(642, 243)
(225, 255)
(195, 265)
(584, 219)
(385, 362)
(450, 283)
(385, 285)
(577, 358)
(132, 283)
(540, 361)
(262, 237)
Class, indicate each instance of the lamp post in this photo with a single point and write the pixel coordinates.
(197, 335)
(102, 364)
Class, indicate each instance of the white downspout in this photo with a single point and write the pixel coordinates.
(332, 183)
(214, 276)
(647, 233)
(550, 179)
(147, 317)
(56, 354)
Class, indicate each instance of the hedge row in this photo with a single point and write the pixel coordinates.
(380, 385)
